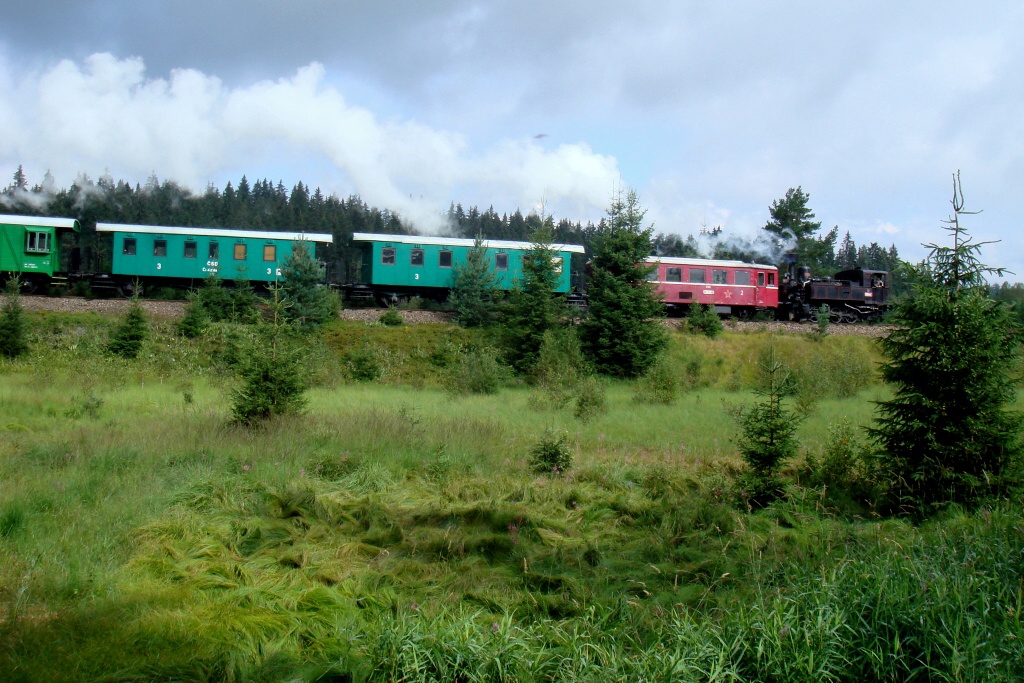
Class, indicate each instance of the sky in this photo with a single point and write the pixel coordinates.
(709, 110)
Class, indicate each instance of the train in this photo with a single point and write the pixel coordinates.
(395, 268)
(41, 252)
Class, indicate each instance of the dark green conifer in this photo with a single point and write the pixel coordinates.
(307, 302)
(13, 341)
(622, 333)
(475, 291)
(126, 340)
(949, 433)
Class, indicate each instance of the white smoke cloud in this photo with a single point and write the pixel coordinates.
(106, 113)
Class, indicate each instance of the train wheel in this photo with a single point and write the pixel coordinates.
(129, 290)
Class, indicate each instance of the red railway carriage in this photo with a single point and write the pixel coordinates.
(732, 287)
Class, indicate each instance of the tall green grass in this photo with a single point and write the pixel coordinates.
(398, 532)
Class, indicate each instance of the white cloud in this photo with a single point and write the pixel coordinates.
(106, 113)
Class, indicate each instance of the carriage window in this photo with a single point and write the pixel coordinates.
(387, 256)
(269, 252)
(416, 257)
(719, 277)
(214, 252)
(190, 250)
(652, 274)
(38, 242)
(742, 277)
(241, 251)
(501, 261)
(674, 274)
(444, 259)
(558, 264)
(771, 278)
(159, 247)
(760, 279)
(698, 275)
(129, 246)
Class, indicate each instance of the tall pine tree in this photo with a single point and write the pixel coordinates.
(622, 333)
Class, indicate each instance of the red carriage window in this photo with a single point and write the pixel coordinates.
(719, 277)
(760, 279)
(741, 277)
(674, 274)
(698, 275)
(771, 278)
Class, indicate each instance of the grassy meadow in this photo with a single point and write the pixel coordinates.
(396, 530)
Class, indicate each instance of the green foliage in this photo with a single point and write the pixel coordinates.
(622, 333)
(477, 371)
(86, 406)
(364, 365)
(13, 336)
(659, 385)
(532, 308)
(702, 319)
(793, 227)
(307, 302)
(272, 377)
(127, 338)
(591, 399)
(474, 295)
(391, 318)
(768, 429)
(560, 366)
(238, 304)
(552, 455)
(949, 433)
(821, 323)
(245, 304)
(195, 321)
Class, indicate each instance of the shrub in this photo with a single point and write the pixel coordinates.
(364, 365)
(659, 385)
(591, 399)
(552, 454)
(391, 318)
(767, 428)
(272, 380)
(307, 303)
(195, 321)
(13, 338)
(560, 365)
(702, 319)
(478, 371)
(475, 292)
(126, 340)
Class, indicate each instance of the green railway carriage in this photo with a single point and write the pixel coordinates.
(30, 248)
(395, 267)
(183, 257)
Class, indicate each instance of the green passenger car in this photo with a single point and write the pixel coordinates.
(176, 257)
(398, 266)
(30, 248)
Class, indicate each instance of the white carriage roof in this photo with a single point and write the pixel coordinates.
(711, 263)
(216, 232)
(456, 242)
(39, 221)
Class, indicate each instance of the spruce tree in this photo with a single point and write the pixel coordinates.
(307, 302)
(475, 290)
(13, 341)
(533, 308)
(127, 338)
(272, 380)
(949, 433)
(622, 333)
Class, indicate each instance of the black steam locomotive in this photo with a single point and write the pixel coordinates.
(848, 296)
